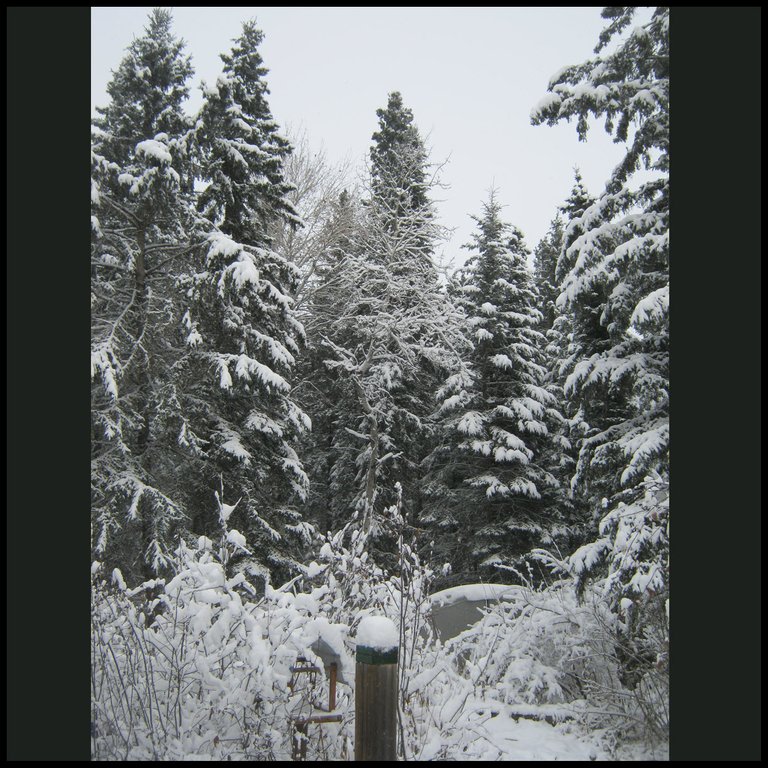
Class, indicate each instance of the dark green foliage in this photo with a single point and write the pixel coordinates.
(242, 333)
(398, 159)
(614, 273)
(146, 94)
(545, 258)
(141, 225)
(242, 152)
(194, 334)
(574, 208)
(492, 494)
(614, 266)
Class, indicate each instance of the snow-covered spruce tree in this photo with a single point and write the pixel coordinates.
(498, 496)
(622, 384)
(242, 334)
(545, 257)
(565, 348)
(146, 93)
(577, 332)
(243, 151)
(141, 232)
(395, 336)
(325, 392)
(556, 328)
(574, 207)
(623, 253)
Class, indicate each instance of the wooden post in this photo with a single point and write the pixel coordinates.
(332, 687)
(375, 703)
(299, 750)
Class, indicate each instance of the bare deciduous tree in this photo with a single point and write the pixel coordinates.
(318, 183)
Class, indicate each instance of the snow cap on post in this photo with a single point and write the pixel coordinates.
(377, 641)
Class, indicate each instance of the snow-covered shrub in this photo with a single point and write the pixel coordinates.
(627, 570)
(199, 667)
(588, 651)
(540, 655)
(352, 586)
(191, 668)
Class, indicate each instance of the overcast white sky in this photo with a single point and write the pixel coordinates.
(470, 75)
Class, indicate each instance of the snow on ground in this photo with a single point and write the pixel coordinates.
(491, 732)
(509, 739)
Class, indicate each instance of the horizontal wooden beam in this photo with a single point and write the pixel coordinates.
(318, 719)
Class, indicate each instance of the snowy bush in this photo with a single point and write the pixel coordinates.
(198, 667)
(541, 655)
(355, 587)
(622, 580)
(191, 668)
(588, 652)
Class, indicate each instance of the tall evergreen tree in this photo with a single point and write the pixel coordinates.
(617, 283)
(194, 332)
(393, 338)
(565, 348)
(545, 258)
(495, 496)
(576, 332)
(241, 423)
(243, 152)
(141, 228)
(621, 258)
(574, 208)
(326, 392)
(399, 160)
(146, 95)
